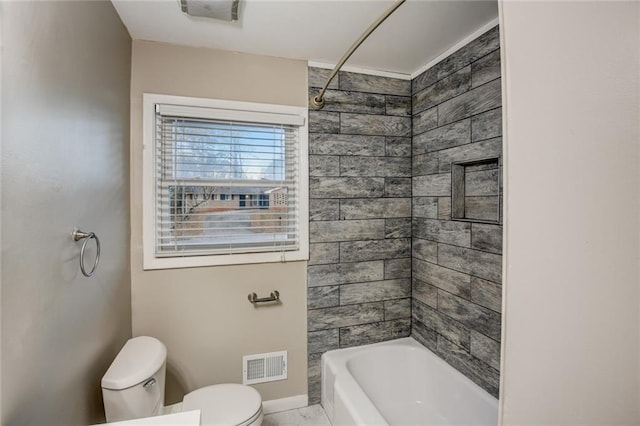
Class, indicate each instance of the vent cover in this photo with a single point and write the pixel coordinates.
(261, 368)
(226, 10)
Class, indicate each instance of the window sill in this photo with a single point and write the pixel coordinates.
(152, 262)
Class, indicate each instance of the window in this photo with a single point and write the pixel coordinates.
(224, 182)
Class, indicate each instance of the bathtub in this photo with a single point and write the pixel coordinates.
(400, 382)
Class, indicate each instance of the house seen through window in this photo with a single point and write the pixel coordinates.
(224, 186)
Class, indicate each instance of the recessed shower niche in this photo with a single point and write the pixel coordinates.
(475, 190)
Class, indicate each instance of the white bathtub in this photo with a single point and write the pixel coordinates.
(400, 382)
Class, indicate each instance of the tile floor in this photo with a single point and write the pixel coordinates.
(312, 415)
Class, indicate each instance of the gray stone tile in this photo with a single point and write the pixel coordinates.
(485, 349)
(323, 253)
(341, 101)
(446, 279)
(457, 190)
(490, 164)
(323, 209)
(397, 228)
(470, 152)
(442, 231)
(375, 291)
(398, 105)
(398, 146)
(474, 316)
(424, 250)
(346, 230)
(487, 125)
(447, 88)
(425, 293)
(432, 185)
(314, 386)
(314, 364)
(485, 69)
(323, 340)
(330, 144)
(343, 273)
(323, 297)
(324, 122)
(447, 136)
(359, 251)
(425, 120)
(397, 309)
(346, 187)
(425, 164)
(425, 207)
(444, 208)
(483, 182)
(478, 371)
(397, 187)
(477, 100)
(373, 333)
(344, 316)
(477, 263)
(318, 77)
(372, 208)
(368, 124)
(486, 293)
(397, 268)
(314, 375)
(486, 237)
(482, 208)
(324, 165)
(424, 335)
(473, 51)
(375, 166)
(374, 84)
(442, 324)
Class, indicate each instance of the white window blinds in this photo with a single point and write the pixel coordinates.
(226, 182)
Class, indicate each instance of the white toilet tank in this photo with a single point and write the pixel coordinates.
(133, 386)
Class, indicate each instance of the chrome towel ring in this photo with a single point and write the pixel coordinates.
(77, 235)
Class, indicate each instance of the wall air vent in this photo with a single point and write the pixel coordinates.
(261, 368)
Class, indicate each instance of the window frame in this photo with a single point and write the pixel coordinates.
(232, 110)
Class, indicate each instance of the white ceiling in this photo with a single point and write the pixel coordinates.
(319, 30)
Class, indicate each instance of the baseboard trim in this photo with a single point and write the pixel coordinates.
(284, 404)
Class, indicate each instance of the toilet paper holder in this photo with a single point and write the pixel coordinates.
(273, 297)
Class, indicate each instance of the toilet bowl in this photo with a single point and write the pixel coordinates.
(133, 387)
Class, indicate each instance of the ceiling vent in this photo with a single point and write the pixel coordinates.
(225, 10)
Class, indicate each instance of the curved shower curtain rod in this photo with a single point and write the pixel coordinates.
(317, 101)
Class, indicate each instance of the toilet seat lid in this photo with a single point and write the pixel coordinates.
(229, 404)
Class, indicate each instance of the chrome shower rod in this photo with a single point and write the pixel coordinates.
(317, 101)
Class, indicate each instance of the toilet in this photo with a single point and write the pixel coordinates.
(133, 387)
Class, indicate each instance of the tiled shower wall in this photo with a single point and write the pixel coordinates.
(359, 273)
(457, 265)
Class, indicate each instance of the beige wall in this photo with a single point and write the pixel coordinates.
(65, 113)
(572, 206)
(202, 314)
